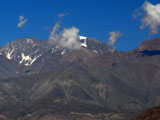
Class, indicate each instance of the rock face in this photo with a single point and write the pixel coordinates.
(150, 114)
(90, 83)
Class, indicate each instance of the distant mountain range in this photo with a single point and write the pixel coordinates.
(42, 82)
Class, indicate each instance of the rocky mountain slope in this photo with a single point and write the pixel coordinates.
(150, 114)
(8, 68)
(90, 83)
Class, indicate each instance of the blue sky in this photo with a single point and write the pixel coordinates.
(94, 18)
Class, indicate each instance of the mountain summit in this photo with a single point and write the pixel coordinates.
(27, 50)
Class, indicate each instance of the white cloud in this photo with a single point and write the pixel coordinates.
(22, 21)
(114, 35)
(151, 17)
(68, 38)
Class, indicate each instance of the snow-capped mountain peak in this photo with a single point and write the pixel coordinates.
(27, 50)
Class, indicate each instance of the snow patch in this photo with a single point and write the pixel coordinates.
(84, 44)
(32, 61)
(8, 54)
(82, 37)
(29, 40)
(52, 50)
(63, 52)
(27, 60)
(36, 51)
(95, 51)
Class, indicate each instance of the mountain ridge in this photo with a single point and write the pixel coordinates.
(27, 50)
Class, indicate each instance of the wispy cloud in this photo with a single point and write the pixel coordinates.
(48, 28)
(22, 21)
(54, 36)
(68, 37)
(114, 35)
(61, 15)
(151, 17)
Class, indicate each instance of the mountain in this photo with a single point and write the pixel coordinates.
(30, 53)
(150, 114)
(91, 83)
(27, 50)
